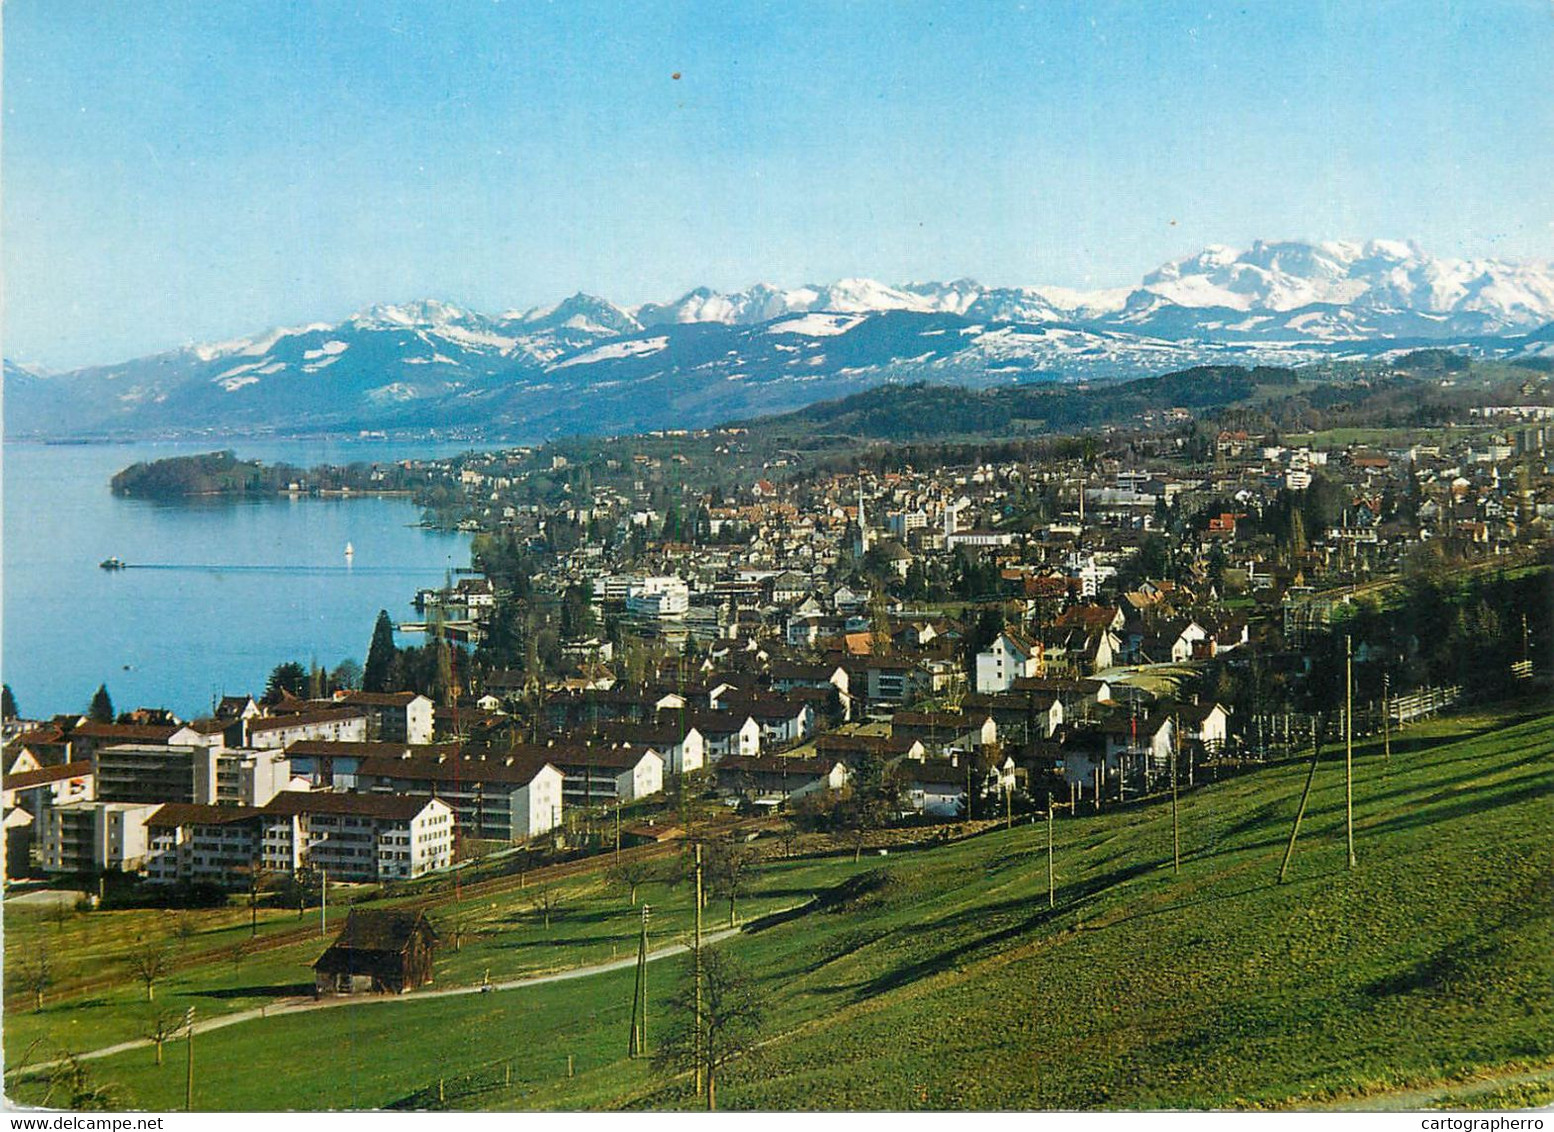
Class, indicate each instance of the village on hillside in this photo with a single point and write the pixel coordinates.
(671, 618)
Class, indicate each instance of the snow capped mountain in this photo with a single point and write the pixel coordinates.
(582, 312)
(1374, 275)
(585, 363)
(1394, 280)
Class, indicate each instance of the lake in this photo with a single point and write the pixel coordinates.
(218, 592)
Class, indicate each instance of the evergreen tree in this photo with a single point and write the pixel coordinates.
(286, 679)
(380, 655)
(8, 704)
(1216, 568)
(101, 710)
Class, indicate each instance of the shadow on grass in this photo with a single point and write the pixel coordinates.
(773, 919)
(1070, 897)
(273, 990)
(573, 915)
(1472, 803)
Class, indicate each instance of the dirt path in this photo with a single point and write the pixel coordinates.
(1447, 1095)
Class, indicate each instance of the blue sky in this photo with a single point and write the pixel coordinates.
(183, 172)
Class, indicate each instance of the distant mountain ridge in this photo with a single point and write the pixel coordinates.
(586, 364)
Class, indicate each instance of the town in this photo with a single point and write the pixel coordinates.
(985, 635)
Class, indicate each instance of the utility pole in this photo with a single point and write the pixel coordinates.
(1349, 743)
(188, 1084)
(638, 1044)
(1386, 716)
(698, 1038)
(1176, 835)
(323, 903)
(1316, 755)
(1052, 892)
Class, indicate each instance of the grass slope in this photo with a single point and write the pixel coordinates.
(1427, 973)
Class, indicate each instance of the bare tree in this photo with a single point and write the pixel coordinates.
(77, 1091)
(150, 964)
(546, 901)
(37, 977)
(60, 912)
(457, 925)
(730, 865)
(715, 1027)
(631, 874)
(236, 953)
(789, 839)
(161, 1028)
(185, 929)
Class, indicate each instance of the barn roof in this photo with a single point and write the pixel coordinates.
(377, 930)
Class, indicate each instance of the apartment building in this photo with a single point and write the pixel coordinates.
(507, 798)
(155, 773)
(361, 837)
(92, 837)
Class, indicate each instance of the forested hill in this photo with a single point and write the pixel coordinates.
(223, 474)
(921, 411)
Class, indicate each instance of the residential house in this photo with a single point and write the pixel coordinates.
(508, 798)
(394, 717)
(605, 775)
(1011, 656)
(774, 779)
(203, 844)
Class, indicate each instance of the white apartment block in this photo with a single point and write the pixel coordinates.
(364, 837)
(88, 837)
(331, 725)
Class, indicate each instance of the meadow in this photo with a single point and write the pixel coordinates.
(941, 979)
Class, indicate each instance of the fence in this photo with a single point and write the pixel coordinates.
(456, 1087)
(1423, 702)
(1285, 732)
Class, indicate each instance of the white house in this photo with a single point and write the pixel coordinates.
(1011, 656)
(395, 717)
(775, 779)
(935, 789)
(1208, 725)
(598, 775)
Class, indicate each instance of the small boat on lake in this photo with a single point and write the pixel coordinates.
(350, 552)
(112, 564)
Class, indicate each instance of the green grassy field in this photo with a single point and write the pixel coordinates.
(1424, 975)
(1340, 438)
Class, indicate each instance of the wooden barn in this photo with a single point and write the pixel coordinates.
(380, 951)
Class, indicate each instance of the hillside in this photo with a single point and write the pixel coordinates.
(922, 411)
(940, 980)
(1406, 390)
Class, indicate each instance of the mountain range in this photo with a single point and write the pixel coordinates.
(587, 365)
